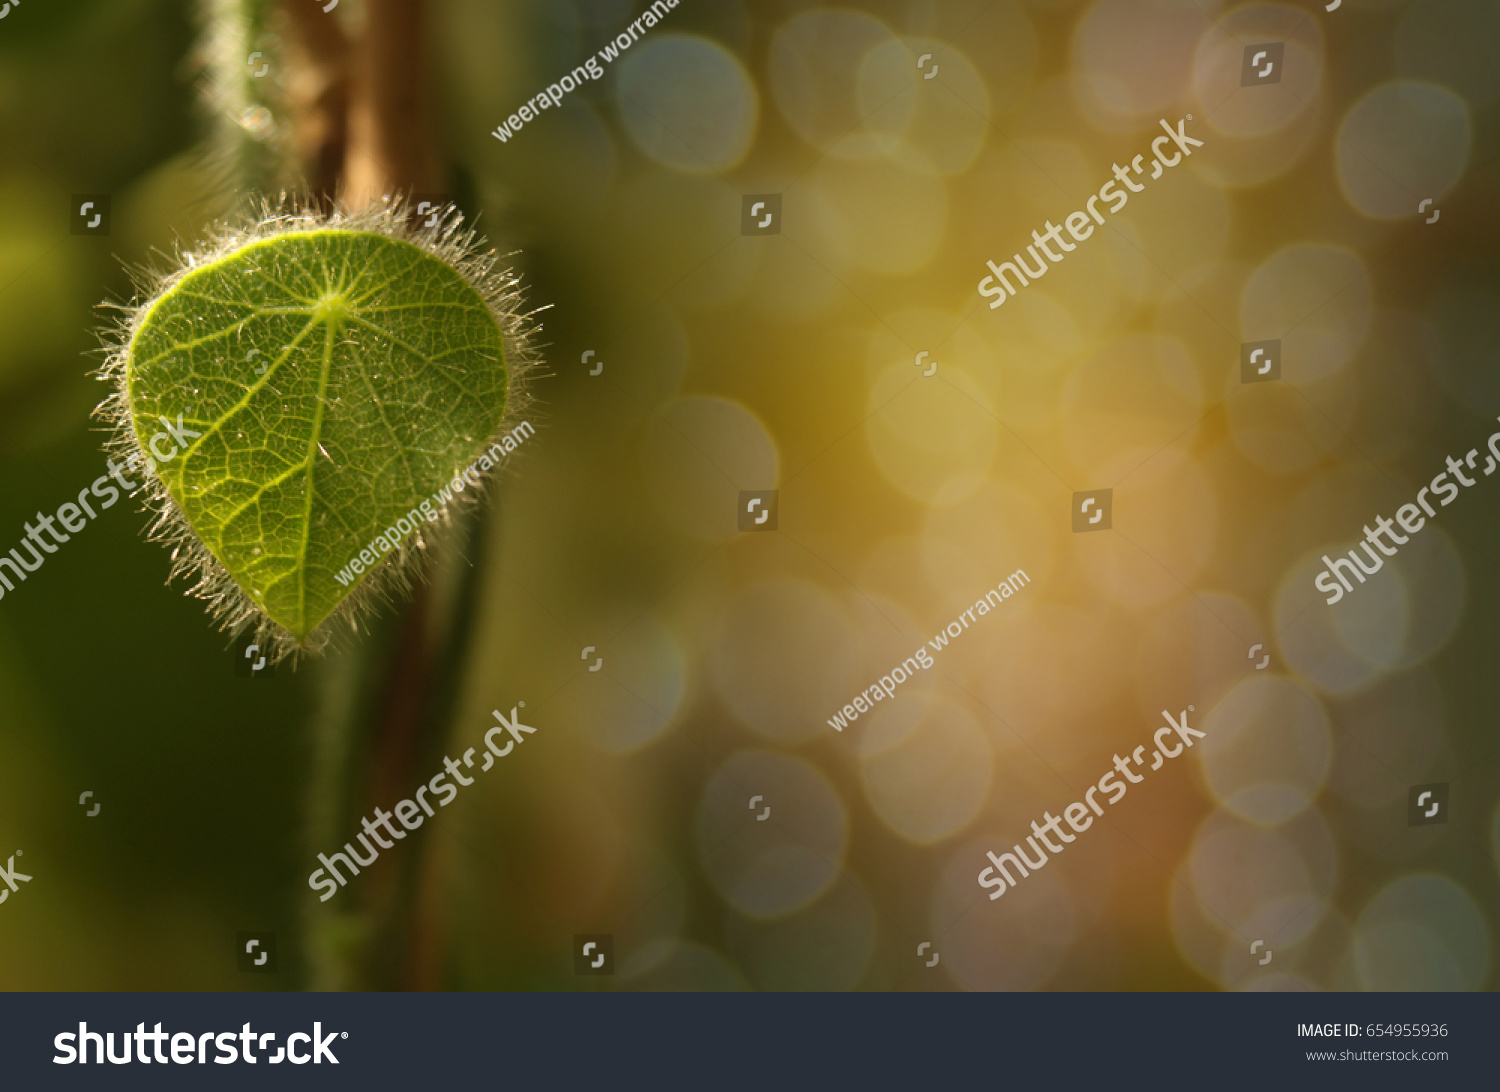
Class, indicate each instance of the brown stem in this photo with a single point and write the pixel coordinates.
(390, 150)
(317, 94)
(363, 131)
(390, 145)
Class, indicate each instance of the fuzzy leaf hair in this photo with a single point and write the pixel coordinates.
(392, 577)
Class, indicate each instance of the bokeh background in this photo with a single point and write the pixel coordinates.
(786, 362)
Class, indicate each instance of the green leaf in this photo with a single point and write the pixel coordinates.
(338, 379)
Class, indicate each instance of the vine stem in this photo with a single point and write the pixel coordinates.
(400, 682)
(317, 94)
(390, 134)
(363, 133)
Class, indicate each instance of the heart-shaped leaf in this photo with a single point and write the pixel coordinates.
(302, 393)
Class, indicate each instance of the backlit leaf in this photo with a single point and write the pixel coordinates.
(337, 379)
